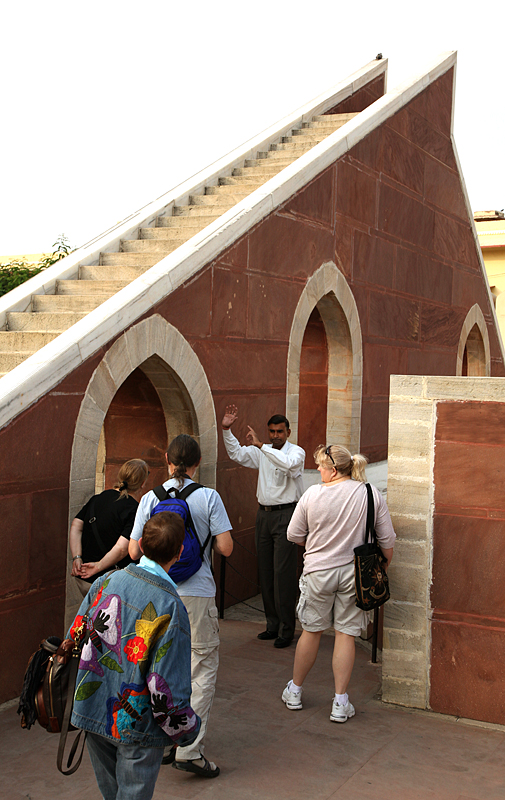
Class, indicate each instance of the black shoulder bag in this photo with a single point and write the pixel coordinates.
(372, 583)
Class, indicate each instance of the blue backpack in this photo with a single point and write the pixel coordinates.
(192, 555)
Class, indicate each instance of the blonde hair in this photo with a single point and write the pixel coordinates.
(342, 460)
(131, 476)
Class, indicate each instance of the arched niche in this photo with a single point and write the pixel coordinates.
(169, 363)
(328, 291)
(474, 356)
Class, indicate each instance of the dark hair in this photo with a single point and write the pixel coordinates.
(278, 419)
(163, 536)
(183, 452)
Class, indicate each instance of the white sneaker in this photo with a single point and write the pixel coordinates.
(341, 713)
(293, 700)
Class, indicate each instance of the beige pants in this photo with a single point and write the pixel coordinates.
(203, 618)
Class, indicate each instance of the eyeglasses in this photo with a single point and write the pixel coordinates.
(327, 453)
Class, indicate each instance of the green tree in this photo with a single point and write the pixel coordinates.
(16, 272)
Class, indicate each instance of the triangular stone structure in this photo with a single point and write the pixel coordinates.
(295, 274)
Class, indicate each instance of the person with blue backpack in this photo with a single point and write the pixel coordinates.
(207, 527)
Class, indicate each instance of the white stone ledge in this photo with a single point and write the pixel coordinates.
(30, 380)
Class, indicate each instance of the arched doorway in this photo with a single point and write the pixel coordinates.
(151, 370)
(326, 306)
(474, 356)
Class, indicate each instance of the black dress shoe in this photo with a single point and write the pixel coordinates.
(267, 635)
(281, 642)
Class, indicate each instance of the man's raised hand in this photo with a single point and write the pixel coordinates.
(252, 438)
(230, 415)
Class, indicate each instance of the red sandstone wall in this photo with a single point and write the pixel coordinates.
(390, 214)
(468, 591)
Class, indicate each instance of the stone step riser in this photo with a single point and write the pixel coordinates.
(287, 156)
(44, 323)
(176, 235)
(200, 211)
(266, 172)
(339, 118)
(297, 147)
(186, 223)
(244, 187)
(252, 182)
(23, 341)
(125, 274)
(61, 302)
(87, 287)
(280, 162)
(147, 246)
(10, 360)
(129, 259)
(211, 200)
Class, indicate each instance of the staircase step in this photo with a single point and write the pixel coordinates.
(227, 200)
(200, 211)
(145, 260)
(176, 235)
(282, 159)
(44, 322)
(249, 182)
(88, 286)
(67, 302)
(298, 146)
(314, 137)
(184, 222)
(244, 188)
(24, 341)
(266, 170)
(100, 273)
(156, 246)
(342, 118)
(10, 360)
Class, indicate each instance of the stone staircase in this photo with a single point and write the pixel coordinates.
(50, 315)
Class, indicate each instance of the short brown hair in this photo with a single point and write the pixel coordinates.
(163, 536)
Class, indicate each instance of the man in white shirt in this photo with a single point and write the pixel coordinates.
(280, 486)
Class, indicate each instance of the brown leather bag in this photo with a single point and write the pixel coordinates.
(54, 695)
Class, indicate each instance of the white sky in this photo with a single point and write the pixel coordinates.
(107, 105)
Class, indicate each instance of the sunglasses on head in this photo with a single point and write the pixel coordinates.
(327, 453)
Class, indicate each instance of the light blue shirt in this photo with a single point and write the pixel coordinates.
(208, 514)
(153, 566)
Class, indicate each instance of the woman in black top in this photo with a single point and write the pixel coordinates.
(100, 533)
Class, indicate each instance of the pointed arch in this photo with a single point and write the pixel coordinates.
(174, 369)
(328, 290)
(474, 354)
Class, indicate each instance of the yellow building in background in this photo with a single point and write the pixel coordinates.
(491, 231)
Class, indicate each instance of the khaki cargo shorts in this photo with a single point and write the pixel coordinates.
(327, 599)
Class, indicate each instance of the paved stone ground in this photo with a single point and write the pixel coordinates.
(266, 751)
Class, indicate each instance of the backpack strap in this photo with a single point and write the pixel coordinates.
(183, 495)
(160, 492)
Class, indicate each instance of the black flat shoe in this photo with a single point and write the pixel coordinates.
(169, 757)
(267, 635)
(281, 642)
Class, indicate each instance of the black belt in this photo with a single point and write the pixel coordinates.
(278, 508)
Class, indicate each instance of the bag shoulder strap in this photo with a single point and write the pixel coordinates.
(184, 494)
(370, 516)
(160, 492)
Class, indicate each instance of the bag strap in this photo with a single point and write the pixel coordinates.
(65, 725)
(183, 495)
(72, 678)
(94, 526)
(370, 516)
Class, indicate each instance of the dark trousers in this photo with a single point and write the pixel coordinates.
(277, 565)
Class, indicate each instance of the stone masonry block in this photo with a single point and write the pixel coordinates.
(412, 467)
(102, 387)
(409, 527)
(90, 419)
(118, 361)
(411, 412)
(412, 497)
(408, 584)
(401, 664)
(404, 386)
(404, 692)
(402, 616)
(452, 388)
(83, 459)
(413, 554)
(410, 440)
(403, 641)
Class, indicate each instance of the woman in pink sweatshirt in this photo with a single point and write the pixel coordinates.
(330, 521)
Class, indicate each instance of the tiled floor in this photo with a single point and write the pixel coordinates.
(268, 752)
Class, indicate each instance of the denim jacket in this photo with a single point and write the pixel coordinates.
(134, 678)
